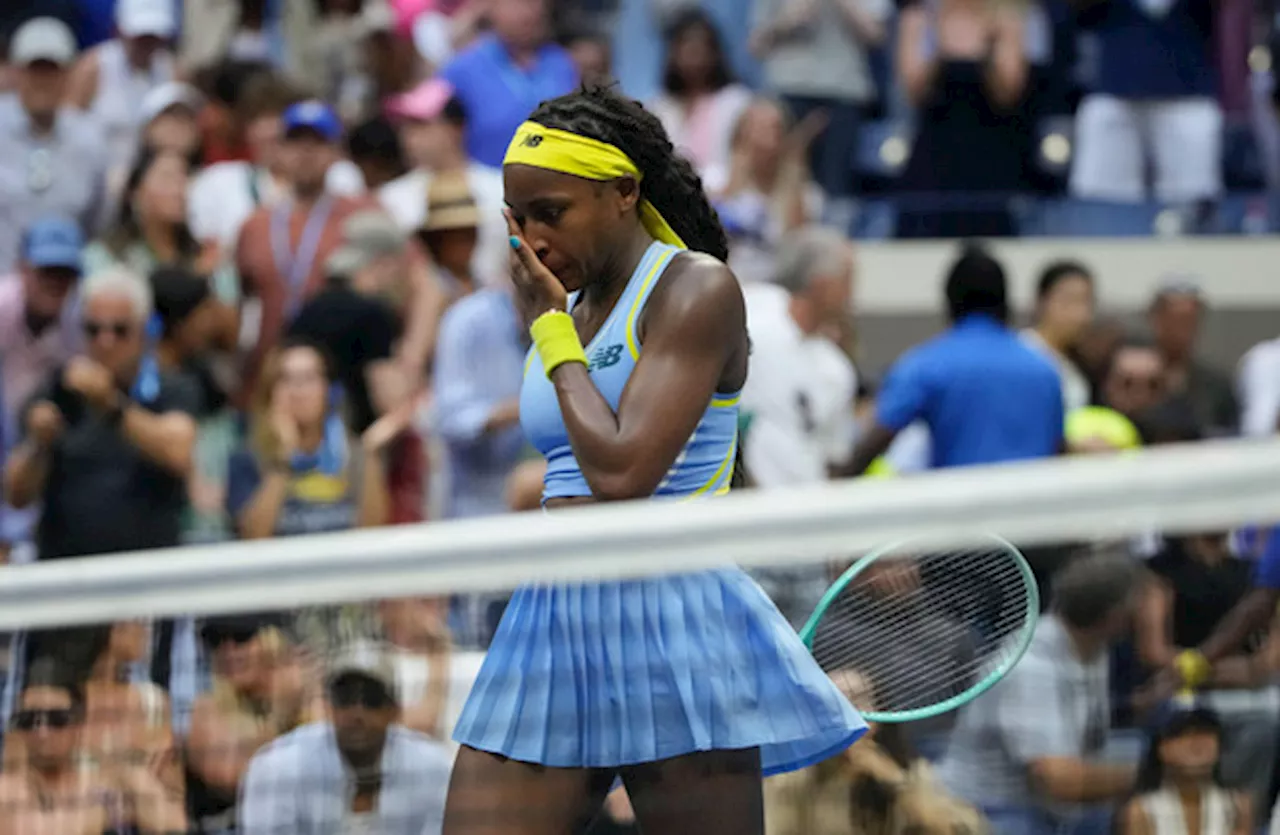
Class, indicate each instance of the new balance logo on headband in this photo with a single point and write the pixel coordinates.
(533, 140)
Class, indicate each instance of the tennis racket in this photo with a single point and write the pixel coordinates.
(927, 629)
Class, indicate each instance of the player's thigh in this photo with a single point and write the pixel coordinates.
(493, 795)
(1186, 146)
(707, 793)
(1108, 161)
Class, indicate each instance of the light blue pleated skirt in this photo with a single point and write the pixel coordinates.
(603, 675)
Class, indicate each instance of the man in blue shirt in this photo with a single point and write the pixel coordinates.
(985, 396)
(503, 76)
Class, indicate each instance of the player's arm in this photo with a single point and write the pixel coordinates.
(693, 327)
(900, 402)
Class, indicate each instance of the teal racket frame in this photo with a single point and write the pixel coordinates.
(1032, 617)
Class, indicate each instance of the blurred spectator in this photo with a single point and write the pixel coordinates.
(1179, 781)
(283, 249)
(301, 472)
(112, 80)
(353, 319)
(815, 55)
(375, 149)
(334, 53)
(442, 27)
(1175, 316)
(225, 87)
(169, 120)
(1064, 308)
(1028, 752)
(964, 67)
(359, 771)
(985, 396)
(52, 158)
(1135, 379)
(451, 234)
(1095, 348)
(503, 76)
(392, 65)
(1197, 583)
(1152, 105)
(433, 677)
(479, 365)
(151, 229)
(592, 54)
(796, 414)
(52, 789)
(38, 330)
(765, 192)
(701, 103)
(1258, 385)
(433, 128)
(226, 194)
(260, 691)
(108, 439)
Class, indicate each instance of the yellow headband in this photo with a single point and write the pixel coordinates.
(590, 159)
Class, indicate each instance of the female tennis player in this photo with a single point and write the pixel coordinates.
(689, 687)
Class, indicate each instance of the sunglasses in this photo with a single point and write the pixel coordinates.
(1138, 381)
(356, 692)
(218, 637)
(29, 720)
(93, 329)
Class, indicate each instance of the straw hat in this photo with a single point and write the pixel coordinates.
(450, 204)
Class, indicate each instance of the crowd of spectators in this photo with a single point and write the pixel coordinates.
(254, 285)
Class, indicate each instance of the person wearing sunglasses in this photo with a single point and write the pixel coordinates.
(47, 786)
(361, 771)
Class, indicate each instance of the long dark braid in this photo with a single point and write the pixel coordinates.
(670, 183)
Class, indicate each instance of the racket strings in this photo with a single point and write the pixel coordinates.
(923, 628)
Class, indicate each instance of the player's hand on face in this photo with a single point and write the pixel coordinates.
(537, 288)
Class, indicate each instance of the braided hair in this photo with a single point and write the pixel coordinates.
(669, 181)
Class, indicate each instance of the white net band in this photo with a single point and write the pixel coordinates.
(1172, 490)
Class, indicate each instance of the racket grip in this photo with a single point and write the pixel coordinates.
(1193, 667)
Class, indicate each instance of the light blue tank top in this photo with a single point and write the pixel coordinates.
(703, 467)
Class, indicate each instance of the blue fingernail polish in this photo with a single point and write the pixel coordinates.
(515, 242)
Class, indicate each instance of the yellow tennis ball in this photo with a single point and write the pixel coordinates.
(1098, 423)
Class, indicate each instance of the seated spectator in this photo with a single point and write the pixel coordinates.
(451, 234)
(360, 771)
(260, 691)
(1134, 380)
(1064, 308)
(964, 67)
(112, 80)
(170, 120)
(38, 330)
(51, 789)
(764, 191)
(52, 157)
(1175, 315)
(151, 229)
(985, 396)
(1196, 583)
(1179, 781)
(1028, 752)
(701, 102)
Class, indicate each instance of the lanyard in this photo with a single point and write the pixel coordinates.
(295, 266)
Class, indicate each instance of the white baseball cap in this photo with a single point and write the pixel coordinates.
(43, 39)
(136, 18)
(167, 95)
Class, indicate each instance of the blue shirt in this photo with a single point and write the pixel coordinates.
(1267, 573)
(499, 95)
(1151, 49)
(479, 360)
(985, 396)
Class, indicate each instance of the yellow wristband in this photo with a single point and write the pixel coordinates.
(1194, 668)
(556, 340)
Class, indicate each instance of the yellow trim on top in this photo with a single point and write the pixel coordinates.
(726, 464)
(725, 402)
(654, 272)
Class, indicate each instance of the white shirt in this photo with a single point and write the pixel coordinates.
(799, 395)
(405, 199)
(1075, 388)
(413, 674)
(1258, 384)
(224, 195)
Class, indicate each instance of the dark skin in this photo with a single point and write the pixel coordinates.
(575, 234)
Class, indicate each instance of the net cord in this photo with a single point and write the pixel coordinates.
(1207, 486)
